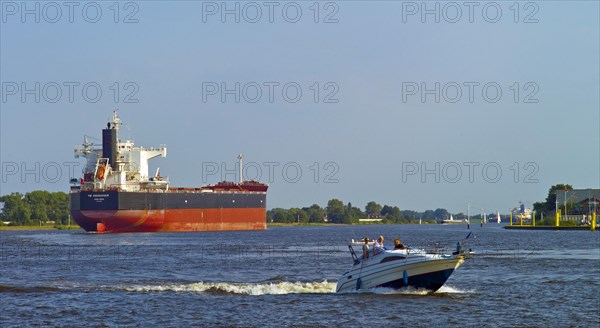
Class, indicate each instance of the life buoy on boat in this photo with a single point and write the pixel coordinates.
(100, 173)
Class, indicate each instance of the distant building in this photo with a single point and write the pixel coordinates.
(370, 220)
(584, 200)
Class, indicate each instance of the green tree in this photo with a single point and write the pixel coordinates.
(279, 215)
(315, 213)
(60, 208)
(373, 210)
(15, 209)
(298, 215)
(392, 214)
(539, 208)
(35, 206)
(551, 198)
(40, 204)
(353, 214)
(336, 211)
(440, 214)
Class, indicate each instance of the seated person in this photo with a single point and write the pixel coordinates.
(398, 245)
(365, 249)
(378, 248)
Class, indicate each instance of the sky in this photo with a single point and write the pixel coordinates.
(421, 105)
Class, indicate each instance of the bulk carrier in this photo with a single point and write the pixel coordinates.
(116, 194)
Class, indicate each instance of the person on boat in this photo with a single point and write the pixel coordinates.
(378, 248)
(365, 249)
(398, 244)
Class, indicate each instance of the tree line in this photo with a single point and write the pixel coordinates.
(35, 207)
(548, 207)
(338, 212)
(43, 206)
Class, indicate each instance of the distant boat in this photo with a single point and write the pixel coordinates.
(452, 221)
(522, 213)
(498, 217)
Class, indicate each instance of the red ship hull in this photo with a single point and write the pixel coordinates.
(171, 220)
(180, 210)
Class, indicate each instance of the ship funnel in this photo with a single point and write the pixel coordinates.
(109, 142)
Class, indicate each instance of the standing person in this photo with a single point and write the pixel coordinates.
(366, 249)
(378, 248)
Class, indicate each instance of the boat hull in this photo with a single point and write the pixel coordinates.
(454, 222)
(155, 212)
(423, 274)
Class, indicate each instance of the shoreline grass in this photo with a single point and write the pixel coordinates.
(37, 227)
(280, 224)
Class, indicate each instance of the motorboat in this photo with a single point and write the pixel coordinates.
(400, 268)
(453, 221)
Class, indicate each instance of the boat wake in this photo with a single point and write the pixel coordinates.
(223, 288)
(280, 288)
(454, 290)
(444, 290)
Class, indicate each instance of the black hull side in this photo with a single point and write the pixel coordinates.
(430, 281)
(114, 200)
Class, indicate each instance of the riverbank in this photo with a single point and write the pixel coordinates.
(275, 224)
(36, 227)
(519, 227)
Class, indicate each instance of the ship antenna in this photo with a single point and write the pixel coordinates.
(241, 157)
(116, 120)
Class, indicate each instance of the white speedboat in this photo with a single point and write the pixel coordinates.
(452, 221)
(400, 268)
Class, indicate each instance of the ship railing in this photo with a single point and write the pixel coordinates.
(199, 190)
(167, 190)
(435, 248)
(150, 149)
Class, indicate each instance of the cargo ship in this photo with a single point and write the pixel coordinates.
(116, 193)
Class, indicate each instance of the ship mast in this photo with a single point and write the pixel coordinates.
(241, 157)
(116, 121)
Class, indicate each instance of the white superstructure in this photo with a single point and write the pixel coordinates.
(119, 165)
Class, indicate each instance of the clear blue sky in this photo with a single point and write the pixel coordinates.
(373, 55)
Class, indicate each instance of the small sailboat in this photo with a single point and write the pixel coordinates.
(498, 217)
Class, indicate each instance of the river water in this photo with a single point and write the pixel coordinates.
(286, 276)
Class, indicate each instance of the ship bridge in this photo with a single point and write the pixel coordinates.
(119, 165)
